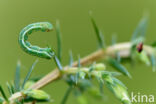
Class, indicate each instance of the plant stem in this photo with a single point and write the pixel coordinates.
(122, 48)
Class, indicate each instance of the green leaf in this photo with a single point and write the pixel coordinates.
(118, 57)
(99, 77)
(98, 33)
(3, 94)
(114, 39)
(66, 95)
(119, 89)
(37, 94)
(17, 77)
(76, 77)
(71, 59)
(101, 87)
(141, 29)
(110, 73)
(119, 82)
(12, 88)
(59, 43)
(28, 84)
(153, 62)
(92, 67)
(58, 63)
(29, 73)
(9, 88)
(120, 92)
(119, 67)
(79, 61)
(108, 79)
(143, 57)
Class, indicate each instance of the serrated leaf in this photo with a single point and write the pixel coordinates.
(17, 77)
(3, 93)
(98, 33)
(58, 63)
(59, 43)
(37, 94)
(119, 67)
(29, 73)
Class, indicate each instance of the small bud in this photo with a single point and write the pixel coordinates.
(28, 84)
(100, 66)
(121, 93)
(37, 94)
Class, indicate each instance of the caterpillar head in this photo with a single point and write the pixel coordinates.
(46, 26)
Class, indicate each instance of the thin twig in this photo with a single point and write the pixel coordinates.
(123, 49)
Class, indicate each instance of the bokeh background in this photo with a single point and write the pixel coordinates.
(112, 16)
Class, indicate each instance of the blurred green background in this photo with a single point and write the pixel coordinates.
(112, 16)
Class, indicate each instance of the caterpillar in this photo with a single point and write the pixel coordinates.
(35, 50)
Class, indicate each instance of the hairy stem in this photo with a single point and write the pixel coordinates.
(123, 49)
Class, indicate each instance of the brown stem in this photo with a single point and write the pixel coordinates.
(123, 49)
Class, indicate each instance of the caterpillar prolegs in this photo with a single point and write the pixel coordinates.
(35, 50)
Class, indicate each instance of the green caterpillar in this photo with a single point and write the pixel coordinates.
(35, 50)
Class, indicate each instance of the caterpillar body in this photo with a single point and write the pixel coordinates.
(35, 50)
